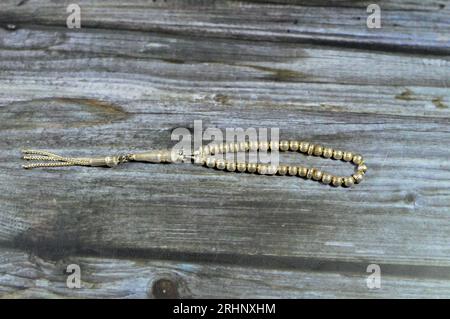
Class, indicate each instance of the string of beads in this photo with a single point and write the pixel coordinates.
(203, 156)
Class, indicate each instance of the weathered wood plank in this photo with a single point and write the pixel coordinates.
(30, 276)
(229, 72)
(406, 25)
(83, 93)
(137, 71)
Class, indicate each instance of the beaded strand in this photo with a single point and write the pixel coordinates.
(204, 157)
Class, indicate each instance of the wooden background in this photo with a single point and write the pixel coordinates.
(136, 70)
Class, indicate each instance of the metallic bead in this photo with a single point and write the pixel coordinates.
(223, 148)
(348, 181)
(205, 150)
(318, 150)
(231, 166)
(233, 147)
(302, 171)
(284, 145)
(282, 170)
(215, 149)
(263, 146)
(220, 164)
(347, 156)
(326, 178)
(198, 151)
(311, 149)
(275, 146)
(243, 146)
(362, 167)
(252, 167)
(317, 175)
(293, 146)
(271, 169)
(262, 169)
(292, 170)
(210, 162)
(357, 159)
(358, 177)
(327, 152)
(303, 147)
(241, 167)
(336, 181)
(309, 173)
(337, 154)
(253, 145)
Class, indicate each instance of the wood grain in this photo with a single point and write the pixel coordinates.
(421, 26)
(136, 278)
(126, 84)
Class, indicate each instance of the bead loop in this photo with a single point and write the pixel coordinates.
(205, 156)
(284, 170)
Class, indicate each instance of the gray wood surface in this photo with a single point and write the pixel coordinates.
(135, 72)
(144, 278)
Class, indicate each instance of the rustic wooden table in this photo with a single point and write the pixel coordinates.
(136, 70)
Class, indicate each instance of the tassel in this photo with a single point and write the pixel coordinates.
(53, 160)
